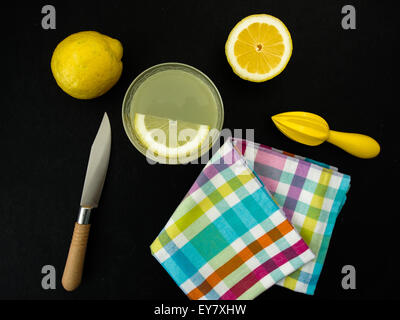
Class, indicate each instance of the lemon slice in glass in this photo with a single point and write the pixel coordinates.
(259, 47)
(171, 139)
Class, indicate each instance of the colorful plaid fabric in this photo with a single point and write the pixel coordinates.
(311, 195)
(228, 239)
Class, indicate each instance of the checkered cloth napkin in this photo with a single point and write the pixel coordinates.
(228, 239)
(311, 195)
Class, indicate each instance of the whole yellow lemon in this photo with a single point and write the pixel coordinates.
(87, 64)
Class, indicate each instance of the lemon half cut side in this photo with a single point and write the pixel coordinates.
(259, 47)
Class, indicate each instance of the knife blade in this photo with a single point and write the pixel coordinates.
(97, 166)
(92, 188)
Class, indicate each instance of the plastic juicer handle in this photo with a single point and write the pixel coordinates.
(358, 145)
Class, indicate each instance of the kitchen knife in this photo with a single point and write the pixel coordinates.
(95, 175)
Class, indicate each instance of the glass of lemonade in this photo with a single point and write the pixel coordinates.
(172, 113)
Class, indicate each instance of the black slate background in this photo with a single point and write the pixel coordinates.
(346, 76)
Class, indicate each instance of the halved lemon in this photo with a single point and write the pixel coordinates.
(167, 138)
(259, 47)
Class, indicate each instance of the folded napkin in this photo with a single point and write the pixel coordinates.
(228, 239)
(311, 195)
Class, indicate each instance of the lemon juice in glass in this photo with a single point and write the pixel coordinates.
(172, 113)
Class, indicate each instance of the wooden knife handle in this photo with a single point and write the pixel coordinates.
(76, 257)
